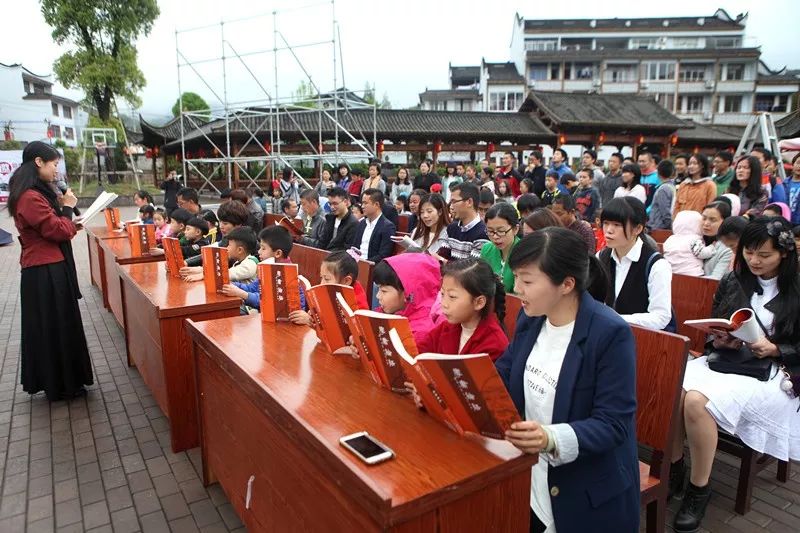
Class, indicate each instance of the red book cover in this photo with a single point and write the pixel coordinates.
(370, 331)
(463, 391)
(112, 218)
(142, 238)
(215, 267)
(294, 226)
(280, 292)
(174, 255)
(328, 317)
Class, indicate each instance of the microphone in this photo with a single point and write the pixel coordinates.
(62, 186)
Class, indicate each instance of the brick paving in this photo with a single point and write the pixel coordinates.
(103, 462)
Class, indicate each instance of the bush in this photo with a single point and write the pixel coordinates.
(10, 145)
(72, 160)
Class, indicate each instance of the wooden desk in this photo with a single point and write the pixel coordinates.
(118, 252)
(156, 306)
(308, 260)
(97, 271)
(273, 405)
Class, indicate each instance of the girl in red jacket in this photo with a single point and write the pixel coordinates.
(473, 300)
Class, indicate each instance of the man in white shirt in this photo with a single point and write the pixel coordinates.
(373, 234)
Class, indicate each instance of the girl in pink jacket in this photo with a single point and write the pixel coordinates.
(686, 231)
(407, 286)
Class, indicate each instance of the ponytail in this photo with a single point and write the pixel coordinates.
(499, 304)
(478, 279)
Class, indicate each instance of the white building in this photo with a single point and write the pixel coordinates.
(29, 111)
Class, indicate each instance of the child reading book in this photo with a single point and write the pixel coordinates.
(407, 286)
(339, 268)
(162, 222)
(146, 213)
(472, 301)
(194, 237)
(242, 246)
(275, 243)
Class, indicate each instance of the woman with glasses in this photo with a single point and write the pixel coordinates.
(502, 223)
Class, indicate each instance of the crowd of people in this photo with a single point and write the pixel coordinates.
(575, 247)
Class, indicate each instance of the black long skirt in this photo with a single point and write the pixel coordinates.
(55, 358)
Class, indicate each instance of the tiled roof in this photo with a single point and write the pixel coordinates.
(696, 132)
(504, 72)
(611, 111)
(465, 73)
(789, 126)
(632, 24)
(446, 94)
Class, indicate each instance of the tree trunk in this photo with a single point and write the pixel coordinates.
(103, 108)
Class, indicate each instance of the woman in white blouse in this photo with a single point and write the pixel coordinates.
(429, 235)
(631, 178)
(571, 371)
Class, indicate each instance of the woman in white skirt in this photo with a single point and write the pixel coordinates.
(764, 414)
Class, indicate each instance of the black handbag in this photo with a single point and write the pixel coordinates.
(741, 361)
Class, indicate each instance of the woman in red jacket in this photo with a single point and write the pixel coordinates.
(53, 349)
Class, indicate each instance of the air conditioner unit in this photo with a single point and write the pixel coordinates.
(596, 82)
(709, 84)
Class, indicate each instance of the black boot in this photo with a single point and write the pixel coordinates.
(693, 509)
(677, 477)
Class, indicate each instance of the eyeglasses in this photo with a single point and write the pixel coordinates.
(498, 232)
(458, 201)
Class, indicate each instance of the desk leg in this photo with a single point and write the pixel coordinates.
(125, 328)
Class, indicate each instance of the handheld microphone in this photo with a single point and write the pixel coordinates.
(62, 186)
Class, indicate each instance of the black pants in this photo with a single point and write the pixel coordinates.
(536, 525)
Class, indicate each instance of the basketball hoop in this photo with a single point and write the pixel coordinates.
(100, 147)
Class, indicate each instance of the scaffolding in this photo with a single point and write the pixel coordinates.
(261, 117)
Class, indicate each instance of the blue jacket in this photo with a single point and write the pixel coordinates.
(380, 243)
(253, 290)
(794, 210)
(596, 395)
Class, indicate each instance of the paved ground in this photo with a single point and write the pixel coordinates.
(102, 463)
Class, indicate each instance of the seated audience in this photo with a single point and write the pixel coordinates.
(698, 189)
(502, 224)
(340, 224)
(686, 234)
(631, 186)
(564, 208)
(541, 218)
(467, 234)
(373, 235)
(432, 233)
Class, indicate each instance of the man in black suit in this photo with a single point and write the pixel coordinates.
(373, 234)
(340, 224)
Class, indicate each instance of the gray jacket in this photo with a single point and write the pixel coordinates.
(313, 228)
(661, 208)
(718, 264)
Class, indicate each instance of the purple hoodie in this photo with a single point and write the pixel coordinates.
(421, 277)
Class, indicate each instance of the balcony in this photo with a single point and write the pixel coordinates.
(545, 85)
(695, 87)
(657, 86)
(737, 86)
(732, 119)
(616, 88)
(578, 85)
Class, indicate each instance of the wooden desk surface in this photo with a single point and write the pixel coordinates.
(173, 296)
(316, 398)
(121, 250)
(101, 232)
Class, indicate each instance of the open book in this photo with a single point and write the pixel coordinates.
(174, 255)
(370, 331)
(215, 267)
(463, 391)
(280, 293)
(742, 325)
(100, 203)
(142, 238)
(293, 225)
(328, 318)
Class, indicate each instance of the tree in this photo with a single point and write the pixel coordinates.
(369, 93)
(385, 103)
(103, 60)
(191, 102)
(304, 95)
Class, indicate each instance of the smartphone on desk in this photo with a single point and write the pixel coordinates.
(366, 448)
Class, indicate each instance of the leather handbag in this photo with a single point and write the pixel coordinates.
(741, 361)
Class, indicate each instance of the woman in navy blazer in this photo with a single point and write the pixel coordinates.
(571, 371)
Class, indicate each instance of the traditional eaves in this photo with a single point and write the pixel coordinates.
(789, 126)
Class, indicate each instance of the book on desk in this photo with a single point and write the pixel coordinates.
(142, 238)
(215, 267)
(280, 293)
(328, 318)
(463, 391)
(173, 255)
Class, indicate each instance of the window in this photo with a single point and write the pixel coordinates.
(658, 71)
(643, 44)
(555, 71)
(584, 71)
(620, 73)
(502, 101)
(56, 131)
(735, 71)
(538, 71)
(726, 42)
(69, 133)
(38, 89)
(685, 42)
(667, 100)
(694, 104)
(55, 109)
(733, 104)
(693, 73)
(67, 111)
(764, 102)
(541, 45)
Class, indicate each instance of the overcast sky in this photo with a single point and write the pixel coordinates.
(403, 46)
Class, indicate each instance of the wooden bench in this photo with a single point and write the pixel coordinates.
(513, 307)
(692, 298)
(660, 235)
(660, 364)
(403, 221)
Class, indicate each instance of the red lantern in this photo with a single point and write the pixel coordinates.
(156, 151)
(148, 154)
(201, 153)
(673, 140)
(49, 132)
(379, 148)
(319, 148)
(640, 139)
(696, 150)
(601, 139)
(437, 147)
(267, 147)
(178, 157)
(562, 139)
(489, 149)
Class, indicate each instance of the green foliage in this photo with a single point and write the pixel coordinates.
(10, 145)
(101, 35)
(304, 95)
(60, 143)
(72, 160)
(369, 93)
(112, 122)
(191, 102)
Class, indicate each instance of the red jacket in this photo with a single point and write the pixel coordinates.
(40, 230)
(489, 338)
(361, 296)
